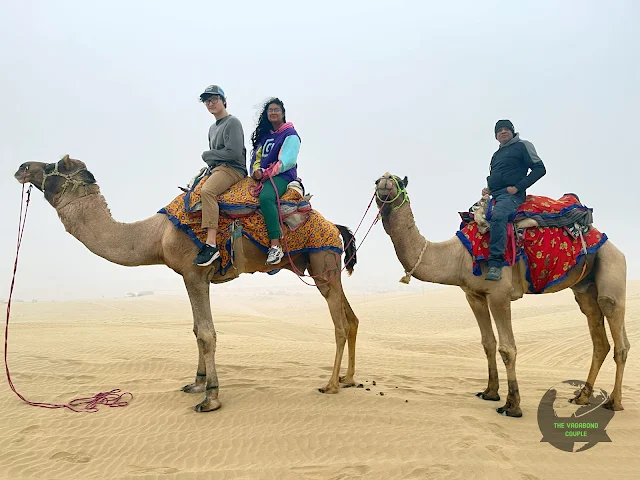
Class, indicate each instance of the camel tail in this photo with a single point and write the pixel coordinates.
(349, 241)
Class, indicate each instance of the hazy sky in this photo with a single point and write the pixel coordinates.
(408, 87)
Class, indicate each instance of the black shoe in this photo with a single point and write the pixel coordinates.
(494, 274)
(206, 255)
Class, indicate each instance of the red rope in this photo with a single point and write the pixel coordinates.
(114, 398)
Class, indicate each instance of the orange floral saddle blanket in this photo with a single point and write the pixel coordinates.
(306, 230)
(549, 252)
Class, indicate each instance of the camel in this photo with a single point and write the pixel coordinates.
(72, 190)
(600, 292)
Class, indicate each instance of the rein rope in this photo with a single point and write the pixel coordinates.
(113, 398)
(401, 191)
(300, 274)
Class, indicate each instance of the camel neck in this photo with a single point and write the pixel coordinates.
(130, 244)
(440, 260)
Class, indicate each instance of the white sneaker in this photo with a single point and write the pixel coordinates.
(274, 255)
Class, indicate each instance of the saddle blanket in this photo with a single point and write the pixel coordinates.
(549, 252)
(314, 234)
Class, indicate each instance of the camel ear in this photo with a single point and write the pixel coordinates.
(67, 162)
(405, 182)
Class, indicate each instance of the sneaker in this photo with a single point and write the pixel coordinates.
(274, 255)
(494, 274)
(206, 255)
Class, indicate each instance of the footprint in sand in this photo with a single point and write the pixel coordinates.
(328, 472)
(432, 471)
(70, 457)
(145, 470)
(30, 429)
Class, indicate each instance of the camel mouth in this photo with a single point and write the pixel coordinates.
(21, 177)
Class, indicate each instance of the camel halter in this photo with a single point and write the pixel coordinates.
(69, 180)
(401, 191)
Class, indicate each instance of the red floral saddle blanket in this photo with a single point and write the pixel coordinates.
(549, 252)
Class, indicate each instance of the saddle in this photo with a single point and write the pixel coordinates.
(239, 201)
(551, 236)
(567, 212)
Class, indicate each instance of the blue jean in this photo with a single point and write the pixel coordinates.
(502, 213)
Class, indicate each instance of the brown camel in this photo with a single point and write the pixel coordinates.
(71, 189)
(601, 292)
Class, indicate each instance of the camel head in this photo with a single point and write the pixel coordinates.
(391, 192)
(66, 179)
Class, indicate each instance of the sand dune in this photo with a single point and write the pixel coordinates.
(422, 350)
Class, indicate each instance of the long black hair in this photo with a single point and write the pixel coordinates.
(263, 125)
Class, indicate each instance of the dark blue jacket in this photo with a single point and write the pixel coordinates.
(511, 164)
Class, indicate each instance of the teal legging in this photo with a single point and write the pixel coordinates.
(269, 205)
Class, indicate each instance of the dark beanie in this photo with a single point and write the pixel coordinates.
(501, 124)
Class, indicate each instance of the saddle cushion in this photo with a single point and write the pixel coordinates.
(238, 201)
(549, 253)
(537, 210)
(313, 234)
(548, 212)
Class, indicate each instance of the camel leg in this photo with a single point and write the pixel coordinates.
(328, 266)
(611, 275)
(353, 321)
(500, 307)
(588, 303)
(198, 290)
(198, 385)
(480, 309)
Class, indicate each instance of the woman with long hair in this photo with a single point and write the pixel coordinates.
(274, 157)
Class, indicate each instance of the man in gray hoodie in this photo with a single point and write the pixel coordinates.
(507, 183)
(227, 160)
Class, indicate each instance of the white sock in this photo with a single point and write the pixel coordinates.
(214, 245)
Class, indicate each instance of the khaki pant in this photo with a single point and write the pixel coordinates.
(222, 178)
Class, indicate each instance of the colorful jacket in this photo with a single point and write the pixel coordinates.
(277, 154)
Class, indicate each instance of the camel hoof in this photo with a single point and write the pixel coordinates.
(193, 388)
(347, 382)
(208, 405)
(484, 396)
(579, 400)
(611, 404)
(509, 412)
(328, 389)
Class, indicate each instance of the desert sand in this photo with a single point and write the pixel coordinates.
(422, 350)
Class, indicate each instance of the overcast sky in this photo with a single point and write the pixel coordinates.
(413, 88)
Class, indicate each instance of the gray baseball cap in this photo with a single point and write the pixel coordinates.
(211, 90)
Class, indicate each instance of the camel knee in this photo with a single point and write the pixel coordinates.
(620, 354)
(507, 353)
(325, 290)
(608, 305)
(207, 340)
(342, 333)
